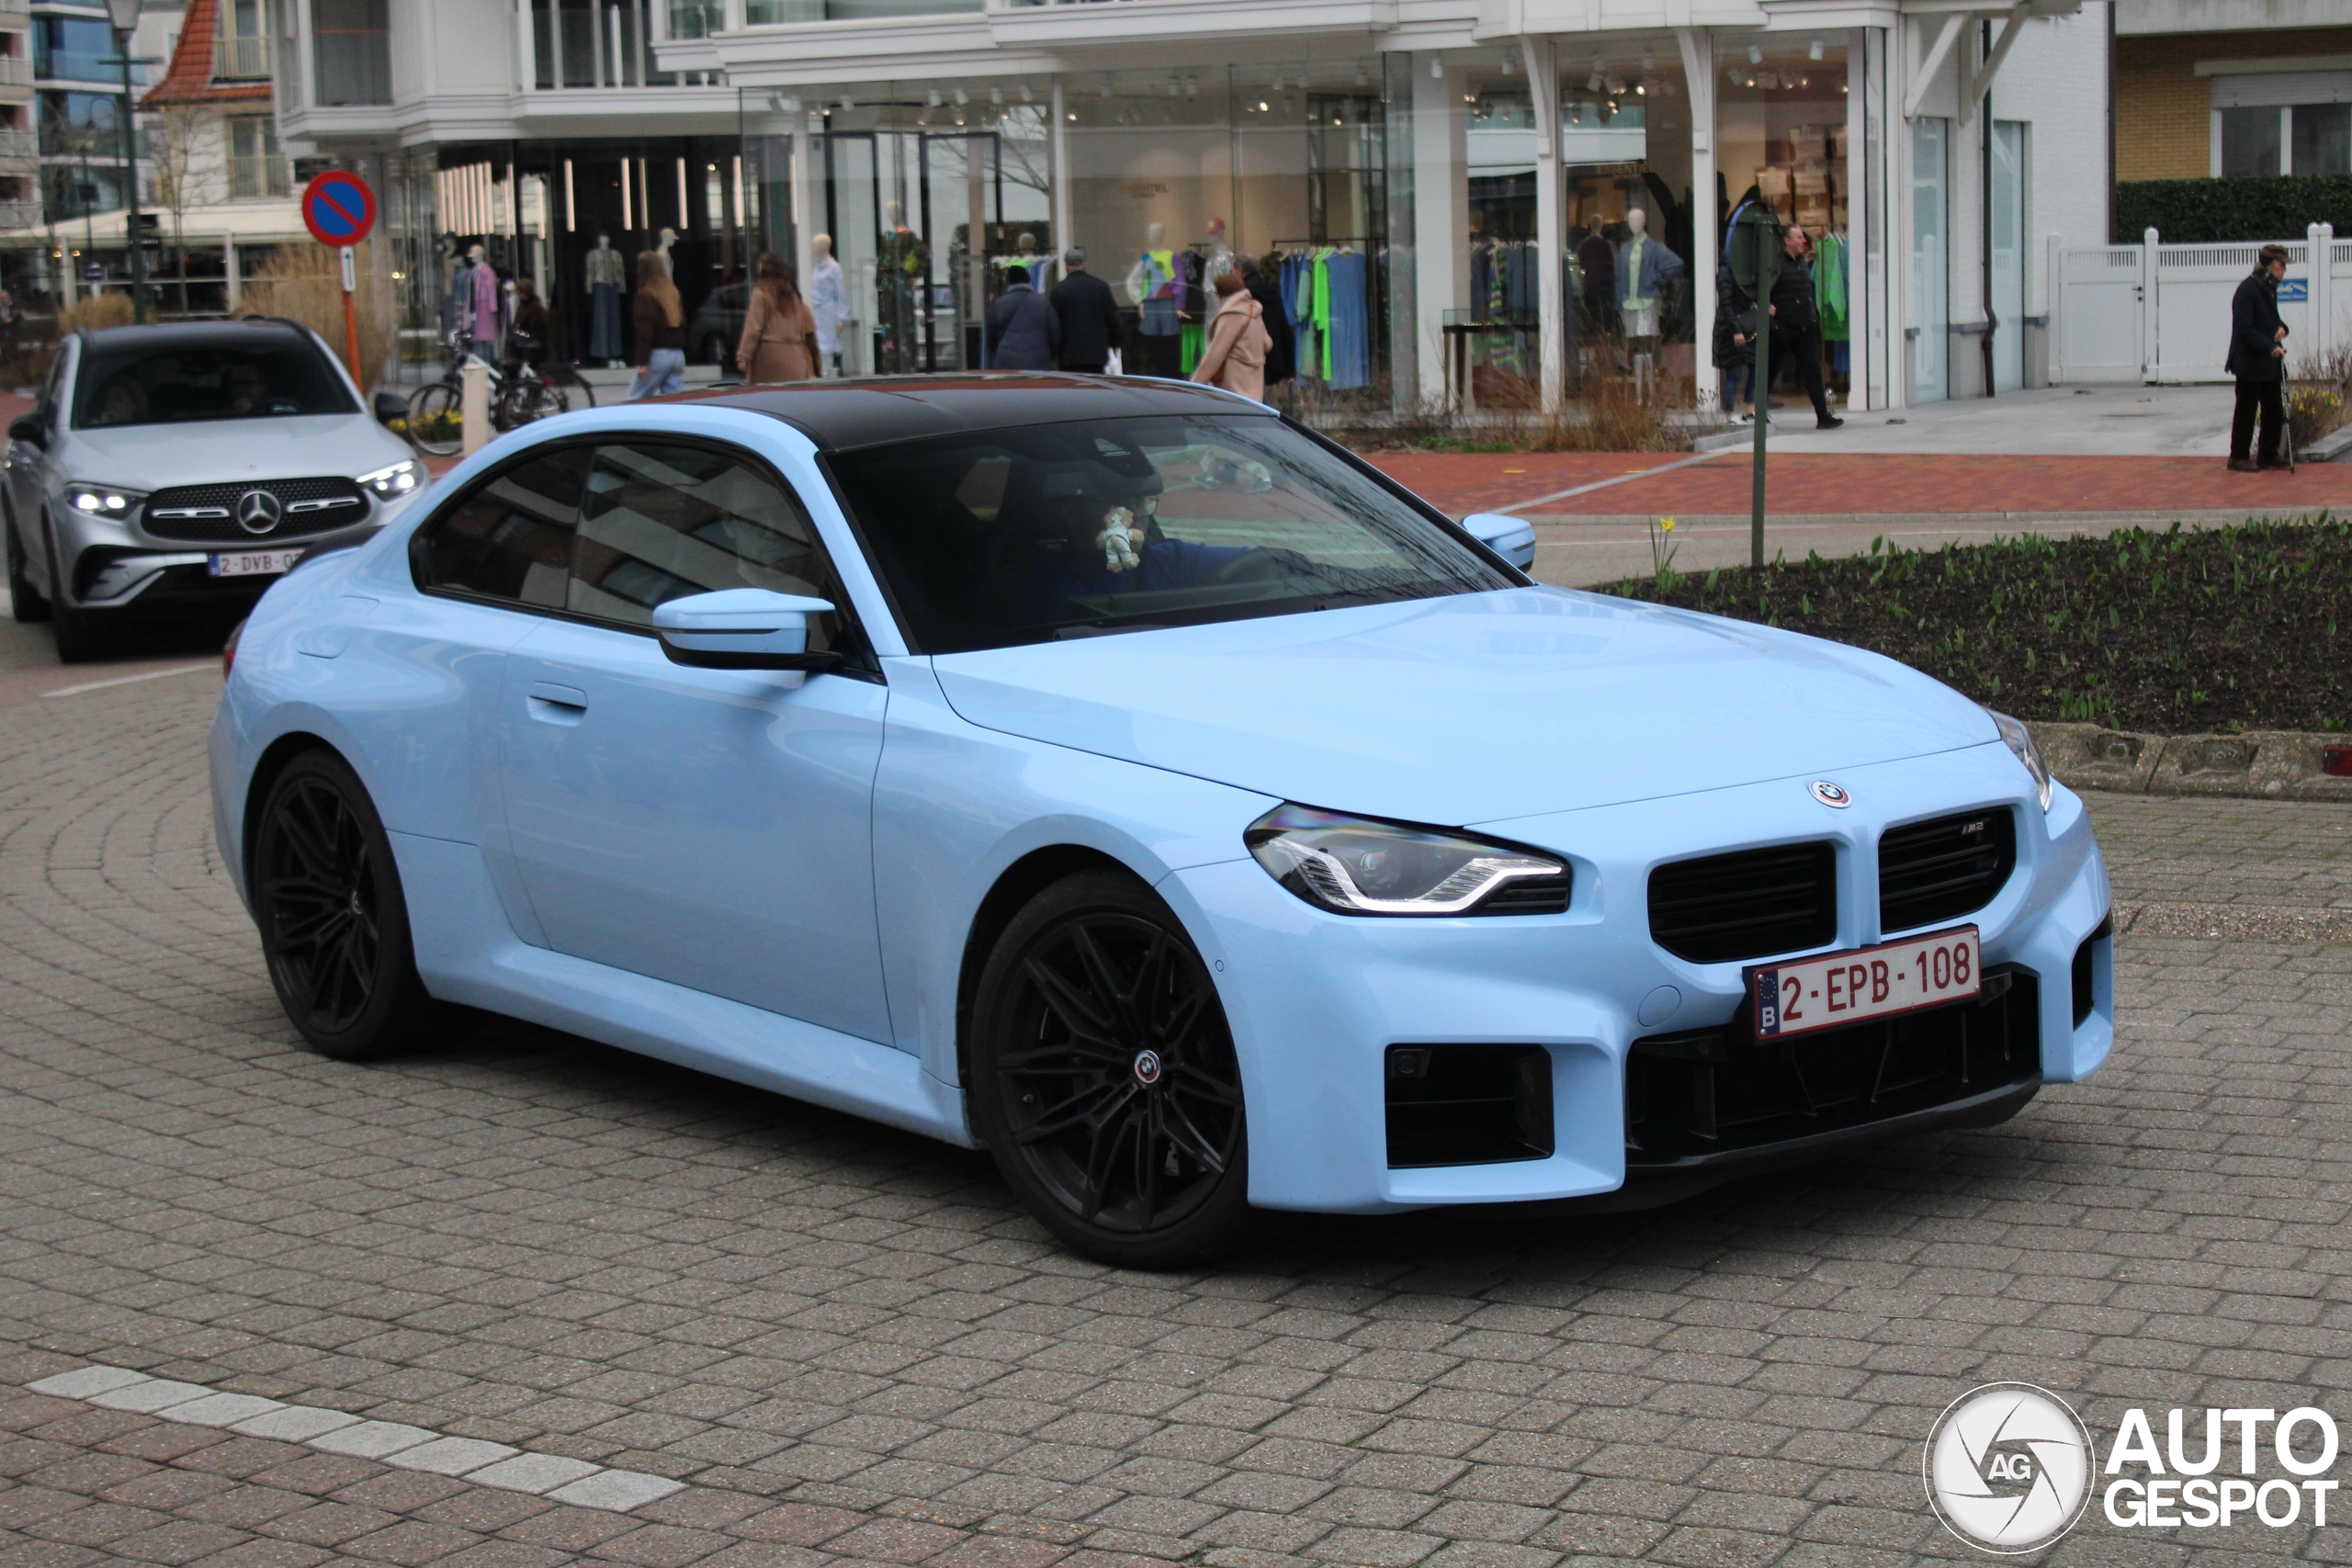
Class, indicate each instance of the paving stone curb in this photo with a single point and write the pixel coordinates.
(2272, 764)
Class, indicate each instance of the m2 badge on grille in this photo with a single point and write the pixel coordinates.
(1841, 988)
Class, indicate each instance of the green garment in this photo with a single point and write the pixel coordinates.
(1322, 314)
(1829, 283)
(1189, 342)
(1633, 275)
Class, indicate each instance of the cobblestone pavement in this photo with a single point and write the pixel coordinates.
(853, 1347)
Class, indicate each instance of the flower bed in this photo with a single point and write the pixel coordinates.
(2171, 632)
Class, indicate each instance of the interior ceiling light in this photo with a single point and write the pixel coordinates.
(996, 95)
(1026, 95)
(1192, 87)
(846, 103)
(1437, 69)
(962, 98)
(1640, 90)
(1593, 84)
(1262, 107)
(933, 98)
(1649, 60)
(1507, 65)
(1815, 51)
(1755, 54)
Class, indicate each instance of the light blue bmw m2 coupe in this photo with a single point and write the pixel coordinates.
(1118, 776)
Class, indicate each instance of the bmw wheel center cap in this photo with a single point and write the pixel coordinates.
(1146, 1067)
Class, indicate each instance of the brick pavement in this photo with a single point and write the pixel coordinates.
(1869, 483)
(854, 1347)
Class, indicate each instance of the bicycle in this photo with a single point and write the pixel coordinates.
(520, 393)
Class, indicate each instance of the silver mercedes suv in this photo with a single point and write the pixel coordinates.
(176, 471)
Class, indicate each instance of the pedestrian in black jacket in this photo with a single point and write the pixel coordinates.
(1023, 329)
(1281, 360)
(2259, 359)
(1735, 344)
(1090, 316)
(1796, 329)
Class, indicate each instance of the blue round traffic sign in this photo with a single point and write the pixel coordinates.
(338, 208)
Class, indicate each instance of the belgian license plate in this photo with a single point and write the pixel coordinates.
(255, 563)
(1839, 988)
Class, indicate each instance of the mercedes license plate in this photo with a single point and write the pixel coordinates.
(1839, 988)
(255, 563)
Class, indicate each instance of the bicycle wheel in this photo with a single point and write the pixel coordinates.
(577, 393)
(435, 422)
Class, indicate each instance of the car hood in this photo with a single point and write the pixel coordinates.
(1472, 708)
(227, 451)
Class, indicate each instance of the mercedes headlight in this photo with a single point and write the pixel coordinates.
(2019, 739)
(103, 500)
(1355, 866)
(391, 484)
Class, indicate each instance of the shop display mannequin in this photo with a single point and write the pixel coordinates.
(1220, 257)
(1643, 266)
(827, 299)
(897, 281)
(456, 285)
(482, 307)
(606, 282)
(1157, 286)
(661, 247)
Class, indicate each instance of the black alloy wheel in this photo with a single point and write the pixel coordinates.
(334, 923)
(1104, 1077)
(25, 601)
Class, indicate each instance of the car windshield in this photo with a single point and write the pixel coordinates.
(1122, 524)
(135, 384)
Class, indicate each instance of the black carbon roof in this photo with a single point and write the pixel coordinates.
(838, 415)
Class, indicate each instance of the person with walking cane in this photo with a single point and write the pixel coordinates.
(2259, 359)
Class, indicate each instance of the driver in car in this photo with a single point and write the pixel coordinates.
(1098, 539)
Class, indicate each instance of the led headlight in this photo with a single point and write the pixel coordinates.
(2019, 739)
(1354, 866)
(103, 500)
(391, 484)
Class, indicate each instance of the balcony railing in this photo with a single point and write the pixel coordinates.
(20, 141)
(16, 71)
(241, 59)
(19, 214)
(258, 175)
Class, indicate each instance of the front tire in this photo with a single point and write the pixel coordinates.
(1104, 1079)
(78, 638)
(333, 922)
(24, 601)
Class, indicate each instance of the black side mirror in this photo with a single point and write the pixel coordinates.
(390, 406)
(31, 429)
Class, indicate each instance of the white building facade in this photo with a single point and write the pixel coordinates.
(1438, 177)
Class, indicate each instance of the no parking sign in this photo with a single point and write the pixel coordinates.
(338, 208)
(339, 211)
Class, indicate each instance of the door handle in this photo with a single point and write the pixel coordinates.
(556, 704)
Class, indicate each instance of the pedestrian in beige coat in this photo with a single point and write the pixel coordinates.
(780, 332)
(1234, 356)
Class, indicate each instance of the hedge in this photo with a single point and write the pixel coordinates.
(2246, 207)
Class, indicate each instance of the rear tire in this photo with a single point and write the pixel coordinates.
(25, 601)
(435, 420)
(333, 921)
(1104, 1081)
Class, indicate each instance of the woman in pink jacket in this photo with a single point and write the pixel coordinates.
(1234, 356)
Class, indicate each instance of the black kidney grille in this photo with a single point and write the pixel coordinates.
(208, 514)
(1941, 870)
(1529, 896)
(1752, 904)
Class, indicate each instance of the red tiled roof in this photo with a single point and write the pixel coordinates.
(190, 78)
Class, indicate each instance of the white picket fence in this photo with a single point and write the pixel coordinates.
(2155, 312)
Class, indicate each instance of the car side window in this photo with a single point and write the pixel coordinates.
(510, 536)
(661, 521)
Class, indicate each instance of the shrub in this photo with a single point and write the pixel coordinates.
(2249, 206)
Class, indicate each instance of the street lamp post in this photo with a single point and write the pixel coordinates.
(124, 15)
